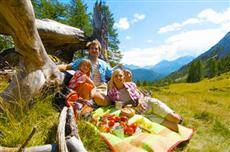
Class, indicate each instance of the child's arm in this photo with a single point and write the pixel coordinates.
(89, 80)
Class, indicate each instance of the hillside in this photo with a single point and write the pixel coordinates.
(205, 107)
(218, 52)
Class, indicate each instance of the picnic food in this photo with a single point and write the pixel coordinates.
(115, 125)
(128, 111)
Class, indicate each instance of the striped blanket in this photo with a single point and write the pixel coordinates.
(157, 138)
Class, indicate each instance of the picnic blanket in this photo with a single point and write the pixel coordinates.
(151, 136)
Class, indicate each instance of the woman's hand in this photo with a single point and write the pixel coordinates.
(142, 106)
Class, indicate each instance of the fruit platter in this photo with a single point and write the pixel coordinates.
(120, 125)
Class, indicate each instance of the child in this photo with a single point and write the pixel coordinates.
(81, 81)
(128, 75)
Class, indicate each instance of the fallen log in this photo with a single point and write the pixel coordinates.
(61, 144)
(41, 148)
(75, 145)
(73, 140)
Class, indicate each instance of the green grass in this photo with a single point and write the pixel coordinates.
(18, 119)
(205, 107)
(91, 138)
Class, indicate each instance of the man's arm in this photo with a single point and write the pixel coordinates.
(64, 67)
(71, 66)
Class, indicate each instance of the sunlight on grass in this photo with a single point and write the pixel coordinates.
(18, 119)
(91, 138)
(205, 107)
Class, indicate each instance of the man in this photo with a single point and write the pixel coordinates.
(100, 72)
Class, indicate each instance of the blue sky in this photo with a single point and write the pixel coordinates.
(155, 30)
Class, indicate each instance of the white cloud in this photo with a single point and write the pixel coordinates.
(187, 43)
(123, 23)
(127, 37)
(193, 42)
(149, 41)
(138, 17)
(178, 26)
(221, 18)
(207, 15)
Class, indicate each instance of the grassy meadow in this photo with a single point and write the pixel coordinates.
(205, 106)
(18, 119)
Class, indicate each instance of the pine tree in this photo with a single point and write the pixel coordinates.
(224, 65)
(138, 83)
(145, 83)
(78, 16)
(51, 9)
(213, 69)
(199, 72)
(195, 72)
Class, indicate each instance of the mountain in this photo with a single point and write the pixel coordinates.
(163, 68)
(142, 74)
(131, 66)
(166, 67)
(145, 75)
(217, 52)
(220, 50)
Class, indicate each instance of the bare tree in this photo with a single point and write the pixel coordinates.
(36, 69)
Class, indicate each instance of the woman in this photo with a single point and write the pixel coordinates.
(126, 93)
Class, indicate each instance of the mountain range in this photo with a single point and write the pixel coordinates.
(166, 67)
(217, 52)
(158, 71)
(178, 69)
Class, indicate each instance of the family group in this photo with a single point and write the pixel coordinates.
(95, 80)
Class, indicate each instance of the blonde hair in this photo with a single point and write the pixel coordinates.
(88, 63)
(94, 42)
(115, 72)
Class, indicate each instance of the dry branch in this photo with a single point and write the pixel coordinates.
(61, 143)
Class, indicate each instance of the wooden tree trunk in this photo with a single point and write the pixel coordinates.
(36, 68)
(100, 28)
(58, 39)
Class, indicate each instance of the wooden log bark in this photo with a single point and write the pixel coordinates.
(58, 36)
(73, 140)
(100, 28)
(75, 145)
(58, 39)
(41, 148)
(71, 126)
(36, 68)
(61, 143)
